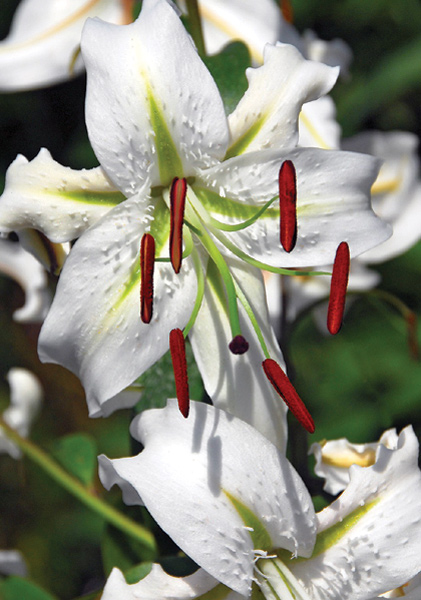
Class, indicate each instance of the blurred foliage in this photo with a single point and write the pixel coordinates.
(356, 384)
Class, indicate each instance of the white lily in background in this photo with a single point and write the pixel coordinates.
(21, 266)
(25, 402)
(12, 563)
(233, 503)
(43, 45)
(156, 125)
(335, 457)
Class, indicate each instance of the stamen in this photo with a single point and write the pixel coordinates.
(179, 363)
(288, 393)
(288, 205)
(287, 11)
(338, 285)
(178, 201)
(238, 345)
(147, 263)
(411, 323)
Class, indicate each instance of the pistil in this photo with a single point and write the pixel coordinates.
(147, 263)
(179, 363)
(338, 286)
(177, 204)
(288, 205)
(288, 393)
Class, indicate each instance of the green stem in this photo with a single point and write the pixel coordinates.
(72, 485)
(196, 26)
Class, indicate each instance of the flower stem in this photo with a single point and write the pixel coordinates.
(75, 487)
(196, 26)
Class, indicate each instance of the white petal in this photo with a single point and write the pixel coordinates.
(375, 529)
(318, 126)
(50, 255)
(333, 53)
(25, 402)
(333, 192)
(59, 201)
(254, 24)
(158, 585)
(12, 563)
(237, 383)
(184, 476)
(22, 266)
(266, 116)
(152, 58)
(396, 192)
(94, 327)
(44, 38)
(334, 459)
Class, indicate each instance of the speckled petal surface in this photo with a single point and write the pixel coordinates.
(43, 40)
(267, 115)
(59, 201)
(157, 87)
(158, 585)
(333, 203)
(237, 383)
(185, 475)
(375, 542)
(94, 326)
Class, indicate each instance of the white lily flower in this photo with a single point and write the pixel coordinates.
(233, 503)
(396, 193)
(12, 563)
(335, 457)
(25, 401)
(157, 124)
(44, 41)
(21, 266)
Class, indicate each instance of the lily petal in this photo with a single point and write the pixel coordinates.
(58, 201)
(158, 585)
(218, 487)
(318, 126)
(333, 192)
(26, 270)
(44, 39)
(267, 115)
(237, 383)
(369, 538)
(155, 118)
(96, 309)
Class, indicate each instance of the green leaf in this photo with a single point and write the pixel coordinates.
(228, 69)
(16, 588)
(77, 453)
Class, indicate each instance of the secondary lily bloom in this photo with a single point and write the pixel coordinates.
(43, 44)
(234, 504)
(21, 266)
(25, 401)
(156, 126)
(335, 457)
(12, 563)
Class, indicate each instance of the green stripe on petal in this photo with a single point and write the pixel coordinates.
(258, 532)
(103, 198)
(230, 208)
(169, 161)
(245, 140)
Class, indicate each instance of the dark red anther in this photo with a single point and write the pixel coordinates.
(147, 263)
(179, 364)
(338, 285)
(288, 205)
(178, 202)
(287, 11)
(288, 393)
(238, 345)
(411, 323)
